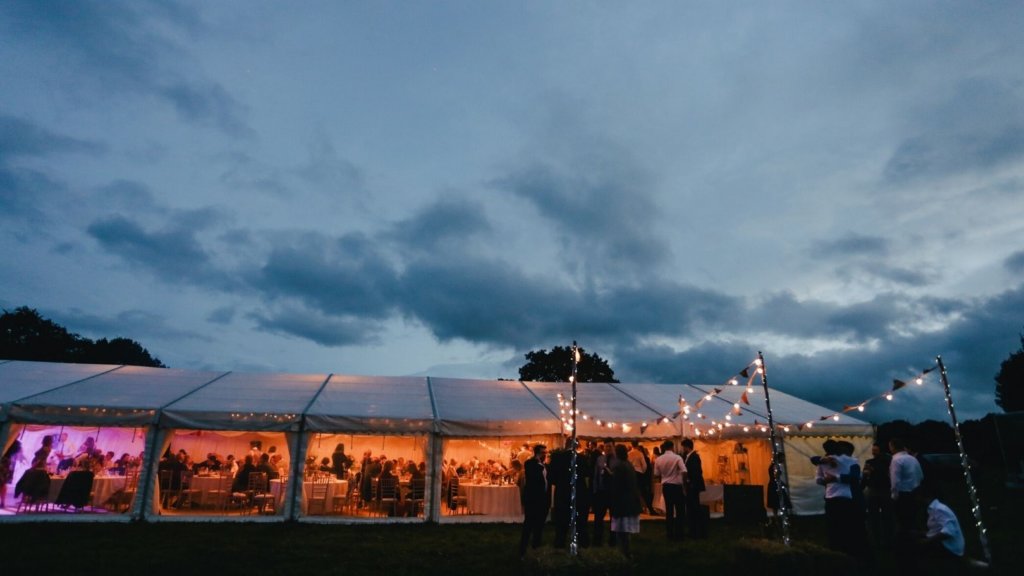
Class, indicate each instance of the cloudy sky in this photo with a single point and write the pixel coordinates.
(435, 188)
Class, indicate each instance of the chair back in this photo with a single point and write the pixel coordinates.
(257, 482)
(388, 487)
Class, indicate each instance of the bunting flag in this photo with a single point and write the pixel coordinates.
(897, 384)
(745, 399)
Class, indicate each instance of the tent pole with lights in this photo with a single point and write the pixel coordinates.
(573, 540)
(972, 491)
(778, 454)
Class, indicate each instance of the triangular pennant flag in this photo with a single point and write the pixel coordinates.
(718, 391)
(745, 373)
(897, 384)
(699, 402)
(823, 418)
(744, 399)
(928, 370)
(799, 426)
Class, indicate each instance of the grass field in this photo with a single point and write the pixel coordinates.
(452, 550)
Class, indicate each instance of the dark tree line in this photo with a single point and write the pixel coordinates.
(555, 365)
(26, 335)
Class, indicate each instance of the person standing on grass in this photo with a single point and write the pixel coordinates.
(536, 499)
(694, 486)
(626, 502)
(905, 476)
(672, 470)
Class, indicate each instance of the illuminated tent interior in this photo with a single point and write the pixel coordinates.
(419, 422)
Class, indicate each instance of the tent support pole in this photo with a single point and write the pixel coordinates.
(971, 490)
(778, 455)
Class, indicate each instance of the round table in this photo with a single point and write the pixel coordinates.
(493, 500)
(103, 487)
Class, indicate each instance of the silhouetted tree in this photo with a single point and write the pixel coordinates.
(1010, 381)
(26, 335)
(555, 365)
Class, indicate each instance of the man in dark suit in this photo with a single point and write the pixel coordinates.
(536, 499)
(694, 484)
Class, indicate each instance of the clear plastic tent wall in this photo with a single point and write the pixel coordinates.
(167, 400)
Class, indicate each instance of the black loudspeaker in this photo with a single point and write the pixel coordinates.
(743, 503)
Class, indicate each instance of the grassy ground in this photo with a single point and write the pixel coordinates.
(452, 550)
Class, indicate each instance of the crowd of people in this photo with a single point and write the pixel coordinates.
(890, 500)
(614, 483)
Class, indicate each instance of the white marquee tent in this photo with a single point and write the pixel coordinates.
(149, 411)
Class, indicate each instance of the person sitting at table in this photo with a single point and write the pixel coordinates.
(388, 487)
(325, 465)
(241, 483)
(265, 467)
(417, 488)
(211, 464)
(43, 454)
(230, 465)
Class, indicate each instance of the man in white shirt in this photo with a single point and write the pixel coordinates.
(905, 475)
(943, 528)
(672, 470)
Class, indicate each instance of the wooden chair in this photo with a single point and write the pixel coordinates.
(34, 489)
(265, 500)
(168, 493)
(417, 491)
(218, 497)
(387, 496)
(125, 496)
(245, 499)
(187, 494)
(456, 500)
(318, 494)
(76, 490)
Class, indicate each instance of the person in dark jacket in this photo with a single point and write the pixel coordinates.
(694, 485)
(626, 500)
(536, 499)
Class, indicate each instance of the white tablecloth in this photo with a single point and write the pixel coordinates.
(207, 483)
(339, 487)
(103, 487)
(493, 500)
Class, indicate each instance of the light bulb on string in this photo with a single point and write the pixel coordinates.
(888, 395)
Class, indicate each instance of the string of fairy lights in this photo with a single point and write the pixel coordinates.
(694, 415)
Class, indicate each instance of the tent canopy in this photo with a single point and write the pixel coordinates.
(41, 392)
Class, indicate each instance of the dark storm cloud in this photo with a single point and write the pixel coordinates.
(118, 47)
(972, 347)
(27, 192)
(978, 125)
(347, 275)
(440, 224)
(606, 210)
(851, 244)
(898, 275)
(135, 324)
(223, 315)
(24, 193)
(486, 301)
(173, 253)
(21, 138)
(206, 103)
(325, 330)
(1015, 262)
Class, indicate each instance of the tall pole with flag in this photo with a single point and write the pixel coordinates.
(778, 455)
(975, 504)
(573, 413)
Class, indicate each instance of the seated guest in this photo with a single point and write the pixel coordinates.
(325, 465)
(231, 465)
(241, 483)
(265, 467)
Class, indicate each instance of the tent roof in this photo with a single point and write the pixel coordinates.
(71, 394)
